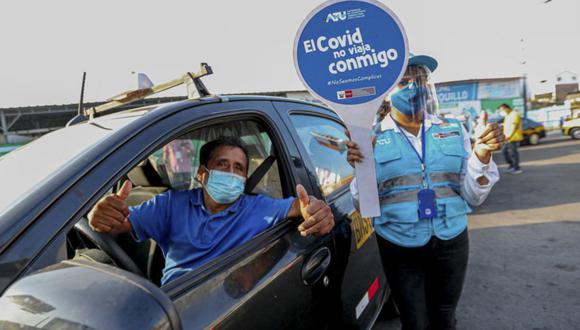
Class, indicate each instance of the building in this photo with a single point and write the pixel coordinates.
(458, 98)
(566, 83)
(573, 103)
(22, 124)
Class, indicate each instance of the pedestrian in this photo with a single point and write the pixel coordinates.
(512, 129)
(426, 175)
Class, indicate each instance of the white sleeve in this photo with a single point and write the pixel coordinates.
(473, 192)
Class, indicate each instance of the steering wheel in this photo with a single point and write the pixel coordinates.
(107, 244)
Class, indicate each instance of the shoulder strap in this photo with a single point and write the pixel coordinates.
(259, 173)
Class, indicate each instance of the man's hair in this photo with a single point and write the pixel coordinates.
(504, 105)
(206, 152)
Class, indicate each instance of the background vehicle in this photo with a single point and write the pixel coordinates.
(571, 127)
(533, 131)
(55, 271)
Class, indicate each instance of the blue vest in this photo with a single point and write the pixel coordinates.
(400, 178)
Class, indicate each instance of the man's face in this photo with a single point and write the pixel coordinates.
(505, 110)
(226, 159)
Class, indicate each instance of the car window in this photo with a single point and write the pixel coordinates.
(178, 161)
(321, 138)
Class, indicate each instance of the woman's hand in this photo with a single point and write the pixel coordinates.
(353, 154)
(489, 141)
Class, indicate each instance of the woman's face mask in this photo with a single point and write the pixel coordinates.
(405, 100)
(224, 187)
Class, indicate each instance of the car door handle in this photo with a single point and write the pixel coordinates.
(315, 266)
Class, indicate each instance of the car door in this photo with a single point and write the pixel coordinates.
(274, 281)
(363, 287)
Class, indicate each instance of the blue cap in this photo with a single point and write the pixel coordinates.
(425, 60)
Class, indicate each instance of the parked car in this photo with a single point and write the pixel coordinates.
(55, 272)
(533, 131)
(571, 127)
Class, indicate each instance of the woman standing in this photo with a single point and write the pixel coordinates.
(427, 173)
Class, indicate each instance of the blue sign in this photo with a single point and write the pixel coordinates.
(456, 93)
(351, 52)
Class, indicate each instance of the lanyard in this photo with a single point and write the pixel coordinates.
(423, 153)
(422, 159)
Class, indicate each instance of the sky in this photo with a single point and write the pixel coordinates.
(46, 45)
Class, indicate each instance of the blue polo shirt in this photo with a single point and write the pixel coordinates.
(190, 235)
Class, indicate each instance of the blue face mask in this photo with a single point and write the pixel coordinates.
(224, 187)
(406, 100)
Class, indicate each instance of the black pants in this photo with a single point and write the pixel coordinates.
(511, 155)
(426, 281)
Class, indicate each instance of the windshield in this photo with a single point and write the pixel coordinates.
(38, 161)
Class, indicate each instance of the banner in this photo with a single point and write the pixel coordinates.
(456, 93)
(501, 90)
(350, 54)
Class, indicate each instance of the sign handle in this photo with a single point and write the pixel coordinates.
(365, 173)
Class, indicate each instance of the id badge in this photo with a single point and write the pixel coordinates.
(427, 204)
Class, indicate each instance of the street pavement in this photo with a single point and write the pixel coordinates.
(524, 267)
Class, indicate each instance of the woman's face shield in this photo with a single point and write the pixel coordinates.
(414, 94)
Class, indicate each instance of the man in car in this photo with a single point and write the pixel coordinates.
(195, 226)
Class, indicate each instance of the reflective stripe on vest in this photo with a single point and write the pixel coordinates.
(404, 180)
(416, 180)
(411, 195)
(438, 177)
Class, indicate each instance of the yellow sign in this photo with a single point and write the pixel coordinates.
(361, 227)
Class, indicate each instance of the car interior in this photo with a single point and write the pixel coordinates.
(174, 166)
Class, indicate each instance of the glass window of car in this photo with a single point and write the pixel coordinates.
(321, 138)
(178, 161)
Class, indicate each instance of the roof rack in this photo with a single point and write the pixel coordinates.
(195, 90)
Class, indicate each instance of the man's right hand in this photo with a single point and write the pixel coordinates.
(111, 214)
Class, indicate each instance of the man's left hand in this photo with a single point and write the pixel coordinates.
(489, 141)
(318, 218)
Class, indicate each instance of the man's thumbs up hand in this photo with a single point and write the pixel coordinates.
(318, 218)
(123, 193)
(302, 196)
(110, 214)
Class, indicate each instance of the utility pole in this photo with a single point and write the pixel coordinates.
(4, 127)
(524, 79)
(525, 91)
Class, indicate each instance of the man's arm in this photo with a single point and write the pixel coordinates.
(111, 214)
(318, 218)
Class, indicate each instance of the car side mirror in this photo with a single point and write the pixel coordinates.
(86, 295)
